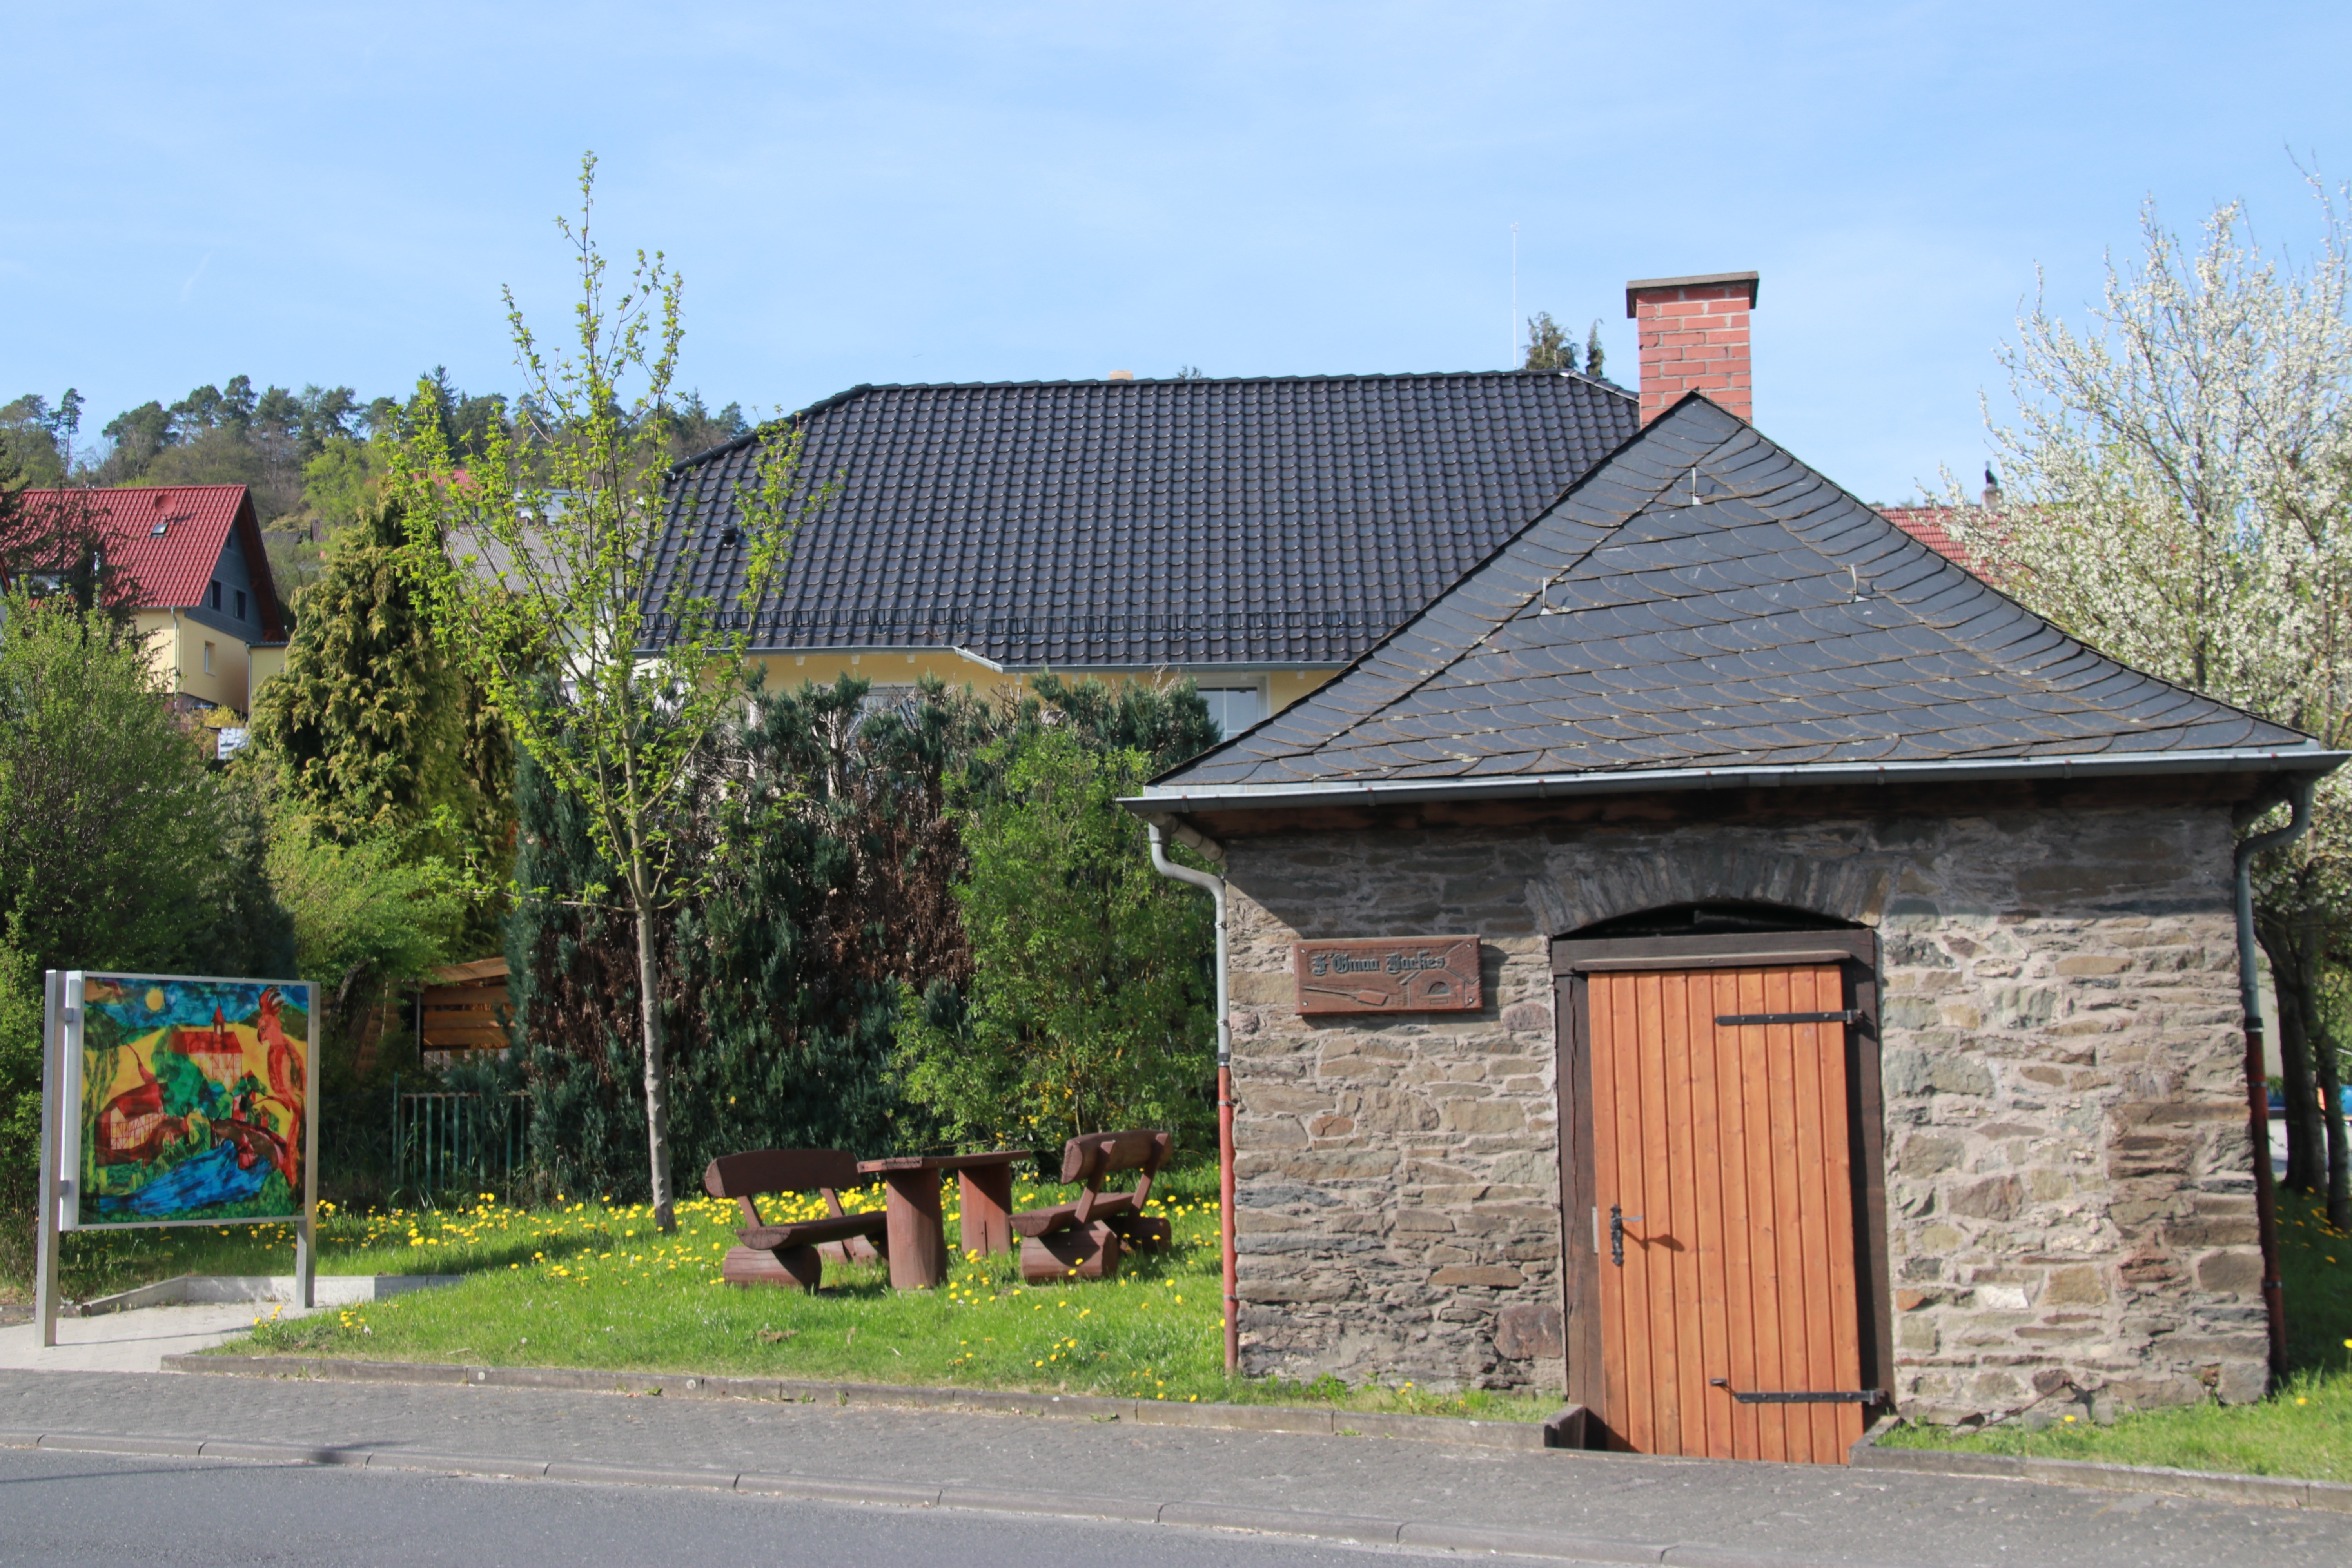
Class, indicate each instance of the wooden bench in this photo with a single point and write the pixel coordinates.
(788, 1254)
(1088, 1236)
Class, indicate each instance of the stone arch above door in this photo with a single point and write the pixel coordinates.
(1584, 885)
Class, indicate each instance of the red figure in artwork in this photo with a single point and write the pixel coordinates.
(284, 1058)
(284, 1077)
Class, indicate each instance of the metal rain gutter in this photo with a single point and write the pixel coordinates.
(1627, 781)
(1214, 886)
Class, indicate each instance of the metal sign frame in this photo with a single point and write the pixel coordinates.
(61, 1086)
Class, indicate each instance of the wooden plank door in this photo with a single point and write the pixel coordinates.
(1724, 1149)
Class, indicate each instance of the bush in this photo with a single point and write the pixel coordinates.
(830, 837)
(1089, 1005)
(826, 855)
(119, 848)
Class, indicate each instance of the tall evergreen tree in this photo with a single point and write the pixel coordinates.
(1548, 345)
(363, 725)
(1167, 725)
(370, 731)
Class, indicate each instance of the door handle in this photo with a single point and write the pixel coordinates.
(1618, 1220)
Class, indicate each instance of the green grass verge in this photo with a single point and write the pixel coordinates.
(594, 1285)
(2304, 1429)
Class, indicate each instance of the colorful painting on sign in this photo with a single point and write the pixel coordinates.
(193, 1099)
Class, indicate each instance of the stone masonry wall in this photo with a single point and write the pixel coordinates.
(2069, 1179)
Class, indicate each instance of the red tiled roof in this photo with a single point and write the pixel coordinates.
(1927, 524)
(174, 567)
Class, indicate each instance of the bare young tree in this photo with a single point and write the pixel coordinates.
(2179, 494)
(541, 575)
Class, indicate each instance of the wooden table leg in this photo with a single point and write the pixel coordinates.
(919, 1233)
(988, 1209)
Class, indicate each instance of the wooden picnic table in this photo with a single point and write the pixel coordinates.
(918, 1226)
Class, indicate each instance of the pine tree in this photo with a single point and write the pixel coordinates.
(363, 725)
(1548, 345)
(371, 733)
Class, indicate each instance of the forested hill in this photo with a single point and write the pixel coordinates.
(306, 456)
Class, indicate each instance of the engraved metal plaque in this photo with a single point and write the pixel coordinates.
(1388, 974)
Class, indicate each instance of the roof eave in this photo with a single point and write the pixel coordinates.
(1263, 797)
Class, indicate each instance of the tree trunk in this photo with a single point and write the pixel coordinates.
(2328, 1071)
(2306, 1168)
(657, 1091)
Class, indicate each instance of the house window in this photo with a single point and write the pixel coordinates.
(1234, 708)
(240, 603)
(208, 649)
(216, 596)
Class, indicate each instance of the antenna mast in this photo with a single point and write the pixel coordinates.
(1511, 360)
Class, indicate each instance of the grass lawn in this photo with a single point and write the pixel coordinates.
(2304, 1429)
(591, 1284)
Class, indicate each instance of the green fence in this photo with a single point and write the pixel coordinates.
(444, 1142)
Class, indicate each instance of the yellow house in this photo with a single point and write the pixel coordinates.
(208, 603)
(1253, 535)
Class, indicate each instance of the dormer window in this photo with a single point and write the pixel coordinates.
(216, 596)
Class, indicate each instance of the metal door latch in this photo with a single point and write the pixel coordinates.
(1801, 1397)
(1618, 1221)
(1850, 1017)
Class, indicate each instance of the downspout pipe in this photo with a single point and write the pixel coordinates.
(1215, 887)
(2258, 1111)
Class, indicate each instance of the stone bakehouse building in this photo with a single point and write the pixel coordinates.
(1855, 1001)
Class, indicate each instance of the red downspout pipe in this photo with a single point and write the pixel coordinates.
(2258, 1108)
(1215, 887)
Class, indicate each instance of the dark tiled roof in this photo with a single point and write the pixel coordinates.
(1142, 523)
(1705, 601)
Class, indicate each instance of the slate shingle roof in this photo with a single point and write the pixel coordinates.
(1291, 521)
(1703, 600)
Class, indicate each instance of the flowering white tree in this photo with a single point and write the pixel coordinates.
(2179, 494)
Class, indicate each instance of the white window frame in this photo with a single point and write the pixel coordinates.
(1230, 684)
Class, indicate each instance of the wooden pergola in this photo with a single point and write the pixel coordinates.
(458, 1008)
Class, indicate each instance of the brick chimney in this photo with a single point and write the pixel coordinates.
(1693, 334)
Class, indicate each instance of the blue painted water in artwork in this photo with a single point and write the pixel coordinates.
(212, 1177)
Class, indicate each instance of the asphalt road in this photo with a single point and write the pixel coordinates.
(414, 1438)
(66, 1510)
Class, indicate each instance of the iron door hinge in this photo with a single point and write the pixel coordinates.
(1800, 1396)
(1850, 1017)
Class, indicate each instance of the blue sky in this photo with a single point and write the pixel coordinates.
(929, 193)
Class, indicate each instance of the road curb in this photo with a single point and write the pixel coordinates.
(1177, 1514)
(2218, 1486)
(1515, 1434)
